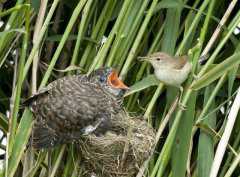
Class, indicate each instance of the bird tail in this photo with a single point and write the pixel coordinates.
(43, 137)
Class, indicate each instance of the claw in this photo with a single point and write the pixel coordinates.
(181, 106)
(195, 77)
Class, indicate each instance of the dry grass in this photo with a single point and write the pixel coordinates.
(118, 153)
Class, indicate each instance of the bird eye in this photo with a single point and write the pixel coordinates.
(158, 59)
(102, 79)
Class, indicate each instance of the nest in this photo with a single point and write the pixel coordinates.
(120, 152)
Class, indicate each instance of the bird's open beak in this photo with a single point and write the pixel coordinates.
(115, 82)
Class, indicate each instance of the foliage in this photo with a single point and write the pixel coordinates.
(45, 40)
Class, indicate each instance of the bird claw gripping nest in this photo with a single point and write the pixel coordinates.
(119, 153)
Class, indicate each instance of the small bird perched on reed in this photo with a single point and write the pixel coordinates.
(170, 70)
(75, 105)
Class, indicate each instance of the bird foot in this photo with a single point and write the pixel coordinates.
(182, 106)
(196, 77)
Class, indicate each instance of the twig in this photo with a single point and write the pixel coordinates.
(189, 155)
(39, 22)
(218, 29)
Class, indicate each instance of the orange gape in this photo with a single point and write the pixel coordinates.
(115, 82)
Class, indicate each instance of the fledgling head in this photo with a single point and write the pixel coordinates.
(107, 78)
(159, 60)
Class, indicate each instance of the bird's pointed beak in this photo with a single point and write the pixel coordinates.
(115, 82)
(145, 59)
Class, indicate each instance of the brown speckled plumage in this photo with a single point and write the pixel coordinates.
(72, 106)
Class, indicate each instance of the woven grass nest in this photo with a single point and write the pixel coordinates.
(120, 152)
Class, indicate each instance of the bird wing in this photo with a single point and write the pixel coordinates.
(43, 137)
(89, 108)
(71, 110)
(44, 90)
(181, 61)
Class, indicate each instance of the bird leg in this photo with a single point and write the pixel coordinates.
(91, 128)
(195, 76)
(181, 106)
(104, 125)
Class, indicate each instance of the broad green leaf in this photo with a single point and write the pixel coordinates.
(146, 82)
(216, 72)
(165, 4)
(22, 136)
(206, 142)
(183, 139)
